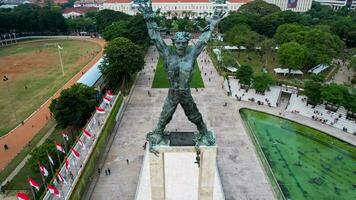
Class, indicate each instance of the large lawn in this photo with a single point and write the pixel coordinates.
(161, 80)
(34, 73)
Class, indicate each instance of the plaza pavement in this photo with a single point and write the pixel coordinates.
(241, 173)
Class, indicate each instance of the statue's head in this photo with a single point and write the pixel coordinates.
(180, 41)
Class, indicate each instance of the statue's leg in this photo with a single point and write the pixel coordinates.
(204, 137)
(192, 112)
(169, 107)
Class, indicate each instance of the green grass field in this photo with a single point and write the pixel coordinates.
(34, 73)
(161, 80)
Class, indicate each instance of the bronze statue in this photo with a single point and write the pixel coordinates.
(179, 64)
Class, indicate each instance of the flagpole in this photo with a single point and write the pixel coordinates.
(31, 187)
(60, 58)
(43, 179)
(50, 164)
(59, 159)
(65, 143)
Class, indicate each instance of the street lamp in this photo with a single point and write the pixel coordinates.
(6, 79)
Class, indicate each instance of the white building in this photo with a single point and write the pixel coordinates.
(76, 12)
(337, 4)
(293, 5)
(192, 8)
(179, 8)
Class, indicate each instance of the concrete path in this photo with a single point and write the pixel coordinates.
(242, 175)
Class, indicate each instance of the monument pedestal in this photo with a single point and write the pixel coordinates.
(174, 175)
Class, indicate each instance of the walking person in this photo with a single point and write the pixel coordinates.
(109, 171)
(127, 161)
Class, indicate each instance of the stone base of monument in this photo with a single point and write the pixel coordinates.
(173, 173)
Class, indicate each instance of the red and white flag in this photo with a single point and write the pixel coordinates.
(54, 191)
(59, 47)
(86, 133)
(60, 177)
(75, 153)
(50, 159)
(100, 110)
(109, 94)
(106, 99)
(81, 143)
(22, 196)
(34, 184)
(67, 164)
(60, 148)
(43, 170)
(65, 136)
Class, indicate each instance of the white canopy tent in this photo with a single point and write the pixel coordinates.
(319, 68)
(285, 71)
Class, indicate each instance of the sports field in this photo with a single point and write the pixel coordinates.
(160, 79)
(34, 74)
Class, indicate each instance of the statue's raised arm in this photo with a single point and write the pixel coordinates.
(153, 30)
(207, 31)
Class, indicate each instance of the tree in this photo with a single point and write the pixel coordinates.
(268, 46)
(106, 17)
(259, 7)
(74, 106)
(39, 155)
(313, 88)
(284, 32)
(228, 59)
(292, 55)
(81, 24)
(353, 63)
(241, 35)
(236, 18)
(334, 94)
(262, 82)
(350, 103)
(117, 29)
(133, 29)
(122, 59)
(244, 74)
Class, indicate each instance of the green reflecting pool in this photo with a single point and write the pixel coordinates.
(306, 163)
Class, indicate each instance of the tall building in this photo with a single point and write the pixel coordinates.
(337, 4)
(293, 5)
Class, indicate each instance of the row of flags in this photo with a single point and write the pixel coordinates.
(44, 172)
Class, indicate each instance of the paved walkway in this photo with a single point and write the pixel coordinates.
(20, 136)
(237, 161)
(343, 75)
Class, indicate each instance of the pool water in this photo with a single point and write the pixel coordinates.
(306, 163)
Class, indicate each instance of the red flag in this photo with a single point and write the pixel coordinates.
(22, 196)
(60, 148)
(109, 93)
(81, 143)
(67, 164)
(54, 191)
(60, 177)
(34, 184)
(75, 153)
(86, 133)
(43, 170)
(100, 110)
(106, 99)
